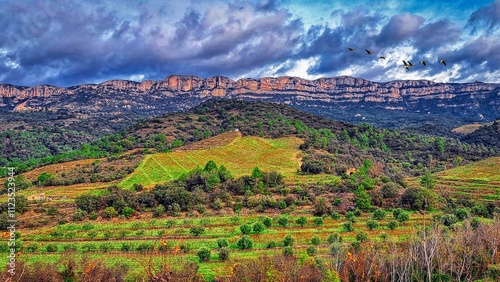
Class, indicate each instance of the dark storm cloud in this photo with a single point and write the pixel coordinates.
(486, 17)
(80, 43)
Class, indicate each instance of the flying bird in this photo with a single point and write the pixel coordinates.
(351, 49)
(423, 63)
(382, 57)
(410, 64)
(368, 52)
(442, 62)
(406, 64)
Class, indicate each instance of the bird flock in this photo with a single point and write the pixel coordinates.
(407, 65)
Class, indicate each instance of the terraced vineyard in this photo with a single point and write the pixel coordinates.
(131, 242)
(239, 155)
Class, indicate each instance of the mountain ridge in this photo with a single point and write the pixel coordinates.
(476, 100)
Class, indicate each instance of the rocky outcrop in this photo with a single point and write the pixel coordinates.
(176, 92)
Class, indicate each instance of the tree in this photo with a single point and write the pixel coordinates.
(210, 166)
(301, 221)
(371, 224)
(204, 254)
(258, 227)
(350, 216)
(427, 180)
(403, 217)
(318, 221)
(322, 206)
(379, 214)
(311, 251)
(363, 199)
(224, 253)
(288, 251)
(283, 221)
(244, 242)
(267, 221)
(315, 240)
(256, 173)
(222, 243)
(110, 212)
(245, 229)
(288, 240)
(389, 190)
(197, 230)
(392, 224)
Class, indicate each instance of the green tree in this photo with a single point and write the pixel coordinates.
(363, 199)
(315, 240)
(197, 230)
(371, 224)
(379, 214)
(222, 243)
(245, 229)
(204, 254)
(244, 242)
(256, 173)
(258, 227)
(288, 240)
(267, 221)
(301, 221)
(427, 180)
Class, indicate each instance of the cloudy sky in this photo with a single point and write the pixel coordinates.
(69, 42)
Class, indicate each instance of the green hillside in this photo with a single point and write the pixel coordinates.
(239, 156)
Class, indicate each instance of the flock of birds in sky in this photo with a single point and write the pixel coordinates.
(406, 64)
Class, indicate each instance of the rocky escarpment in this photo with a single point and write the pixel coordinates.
(476, 101)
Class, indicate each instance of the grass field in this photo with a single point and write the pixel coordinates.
(477, 180)
(240, 155)
(88, 239)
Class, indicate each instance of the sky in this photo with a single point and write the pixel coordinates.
(64, 43)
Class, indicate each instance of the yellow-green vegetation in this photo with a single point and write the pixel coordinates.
(239, 156)
(170, 239)
(477, 180)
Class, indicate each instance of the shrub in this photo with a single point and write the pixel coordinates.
(288, 251)
(267, 221)
(350, 216)
(301, 221)
(311, 251)
(79, 215)
(322, 206)
(396, 212)
(379, 214)
(222, 243)
(283, 221)
(110, 212)
(33, 247)
(224, 253)
(315, 240)
(93, 215)
(244, 242)
(258, 227)
(281, 205)
(392, 224)
(462, 213)
(245, 229)
(449, 219)
(389, 190)
(334, 238)
(371, 224)
(203, 254)
(158, 211)
(403, 217)
(126, 247)
(318, 221)
(347, 226)
(362, 237)
(271, 244)
(288, 240)
(197, 230)
(335, 215)
(51, 248)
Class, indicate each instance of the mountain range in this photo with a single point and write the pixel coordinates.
(476, 101)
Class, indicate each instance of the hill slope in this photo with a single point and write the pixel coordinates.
(240, 155)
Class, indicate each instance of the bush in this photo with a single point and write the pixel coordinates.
(33, 247)
(347, 226)
(245, 229)
(288, 240)
(362, 237)
(258, 227)
(315, 240)
(222, 243)
(127, 211)
(197, 230)
(335, 215)
(271, 244)
(396, 212)
(334, 238)
(379, 214)
(301, 221)
(392, 224)
(318, 221)
(93, 215)
(224, 253)
(371, 224)
(350, 216)
(403, 217)
(158, 211)
(389, 190)
(288, 251)
(203, 254)
(322, 206)
(283, 221)
(244, 242)
(267, 221)
(79, 215)
(311, 251)
(449, 219)
(110, 212)
(51, 248)
(462, 213)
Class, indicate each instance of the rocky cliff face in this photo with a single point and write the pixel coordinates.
(477, 101)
